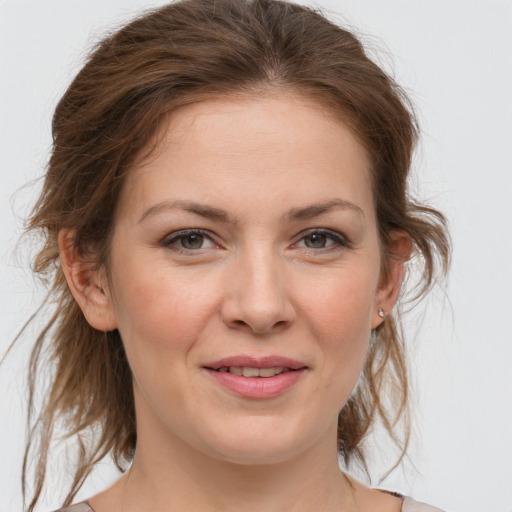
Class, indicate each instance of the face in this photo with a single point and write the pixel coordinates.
(247, 244)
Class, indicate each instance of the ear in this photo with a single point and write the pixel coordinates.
(88, 283)
(389, 287)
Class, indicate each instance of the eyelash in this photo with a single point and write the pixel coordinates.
(339, 240)
(179, 235)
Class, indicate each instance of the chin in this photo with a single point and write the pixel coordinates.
(257, 455)
(257, 445)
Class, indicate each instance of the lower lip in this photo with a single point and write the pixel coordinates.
(257, 387)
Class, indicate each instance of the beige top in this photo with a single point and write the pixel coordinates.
(409, 505)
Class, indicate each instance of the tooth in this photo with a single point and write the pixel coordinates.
(247, 371)
(267, 372)
(250, 372)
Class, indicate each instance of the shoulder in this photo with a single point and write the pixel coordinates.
(79, 507)
(410, 505)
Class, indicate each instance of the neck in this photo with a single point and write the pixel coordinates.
(172, 475)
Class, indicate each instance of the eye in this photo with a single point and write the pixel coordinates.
(317, 241)
(189, 240)
(322, 239)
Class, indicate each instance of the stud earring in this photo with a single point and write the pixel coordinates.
(381, 312)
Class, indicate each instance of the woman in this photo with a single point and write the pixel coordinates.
(227, 227)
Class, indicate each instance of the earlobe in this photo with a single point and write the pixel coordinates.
(389, 288)
(87, 282)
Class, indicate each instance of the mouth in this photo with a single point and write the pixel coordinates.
(257, 377)
(251, 366)
(254, 372)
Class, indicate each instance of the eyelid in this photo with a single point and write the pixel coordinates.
(169, 239)
(341, 241)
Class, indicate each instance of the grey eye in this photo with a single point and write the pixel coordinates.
(192, 241)
(316, 240)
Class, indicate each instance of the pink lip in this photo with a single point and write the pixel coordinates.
(256, 362)
(257, 387)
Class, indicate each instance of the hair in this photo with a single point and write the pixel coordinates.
(135, 78)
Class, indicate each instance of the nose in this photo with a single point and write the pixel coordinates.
(257, 296)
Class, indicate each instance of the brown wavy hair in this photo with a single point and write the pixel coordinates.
(169, 57)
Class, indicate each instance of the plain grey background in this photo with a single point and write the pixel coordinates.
(455, 59)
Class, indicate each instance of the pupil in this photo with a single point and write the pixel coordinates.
(315, 240)
(192, 241)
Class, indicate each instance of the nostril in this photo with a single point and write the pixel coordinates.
(260, 328)
(257, 315)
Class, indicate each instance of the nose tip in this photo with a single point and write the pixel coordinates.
(258, 299)
(258, 321)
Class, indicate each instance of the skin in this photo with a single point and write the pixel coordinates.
(259, 282)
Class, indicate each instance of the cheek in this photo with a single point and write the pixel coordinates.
(161, 311)
(341, 309)
(340, 314)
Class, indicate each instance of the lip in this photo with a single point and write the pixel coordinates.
(256, 362)
(257, 387)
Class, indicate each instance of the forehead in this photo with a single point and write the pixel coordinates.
(261, 122)
(275, 147)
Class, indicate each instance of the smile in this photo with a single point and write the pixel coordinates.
(250, 382)
(247, 371)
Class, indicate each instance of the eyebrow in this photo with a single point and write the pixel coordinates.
(203, 210)
(315, 210)
(217, 214)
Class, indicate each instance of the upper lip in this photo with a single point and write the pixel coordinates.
(256, 362)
